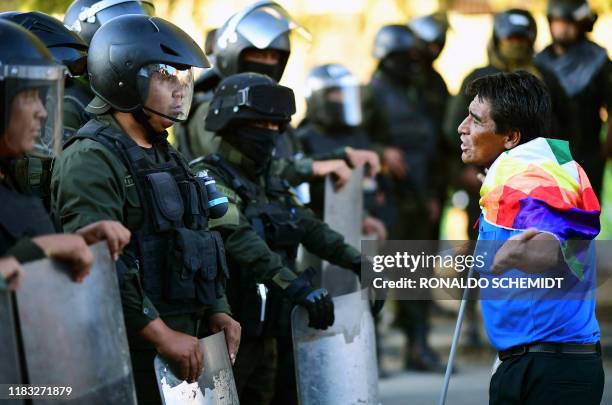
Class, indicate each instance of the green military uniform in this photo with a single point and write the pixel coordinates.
(254, 258)
(91, 183)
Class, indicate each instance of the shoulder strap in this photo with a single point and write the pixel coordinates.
(242, 187)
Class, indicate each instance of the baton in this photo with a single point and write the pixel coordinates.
(455, 343)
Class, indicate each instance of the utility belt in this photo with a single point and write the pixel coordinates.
(550, 347)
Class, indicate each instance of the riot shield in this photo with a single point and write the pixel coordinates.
(215, 386)
(342, 212)
(73, 334)
(10, 368)
(337, 365)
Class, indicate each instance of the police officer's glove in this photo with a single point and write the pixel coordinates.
(316, 301)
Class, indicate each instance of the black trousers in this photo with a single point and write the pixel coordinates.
(548, 378)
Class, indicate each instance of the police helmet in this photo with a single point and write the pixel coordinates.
(249, 96)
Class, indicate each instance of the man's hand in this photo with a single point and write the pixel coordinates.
(531, 251)
(393, 159)
(338, 170)
(374, 226)
(360, 157)
(114, 233)
(182, 351)
(220, 321)
(71, 249)
(12, 272)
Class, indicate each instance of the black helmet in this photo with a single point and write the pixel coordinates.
(395, 38)
(66, 47)
(431, 28)
(578, 11)
(515, 22)
(26, 64)
(249, 96)
(85, 16)
(128, 51)
(262, 25)
(333, 96)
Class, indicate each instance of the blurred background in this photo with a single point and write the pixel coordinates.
(343, 32)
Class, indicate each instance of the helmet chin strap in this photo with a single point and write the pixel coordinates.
(161, 115)
(143, 119)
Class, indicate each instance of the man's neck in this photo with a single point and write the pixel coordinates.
(559, 50)
(133, 128)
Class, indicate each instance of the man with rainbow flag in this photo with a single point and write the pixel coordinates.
(540, 214)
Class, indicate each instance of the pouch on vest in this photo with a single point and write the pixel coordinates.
(185, 259)
(282, 230)
(166, 198)
(195, 198)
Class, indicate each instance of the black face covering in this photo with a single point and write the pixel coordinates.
(255, 143)
(273, 71)
(401, 67)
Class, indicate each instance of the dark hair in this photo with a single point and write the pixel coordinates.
(519, 101)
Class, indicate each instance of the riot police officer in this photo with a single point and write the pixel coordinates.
(85, 17)
(257, 39)
(120, 166)
(31, 85)
(585, 72)
(34, 173)
(332, 124)
(400, 118)
(262, 230)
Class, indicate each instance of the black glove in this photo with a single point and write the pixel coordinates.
(317, 301)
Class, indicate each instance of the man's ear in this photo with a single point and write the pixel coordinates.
(513, 138)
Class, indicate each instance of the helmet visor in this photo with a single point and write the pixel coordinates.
(261, 24)
(341, 96)
(266, 99)
(166, 90)
(34, 112)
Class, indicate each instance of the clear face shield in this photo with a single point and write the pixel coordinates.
(261, 24)
(341, 98)
(166, 90)
(33, 110)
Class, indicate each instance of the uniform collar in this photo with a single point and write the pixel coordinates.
(236, 158)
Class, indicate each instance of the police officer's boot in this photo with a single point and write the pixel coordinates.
(420, 356)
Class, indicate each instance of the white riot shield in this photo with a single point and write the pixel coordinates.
(73, 334)
(337, 365)
(216, 385)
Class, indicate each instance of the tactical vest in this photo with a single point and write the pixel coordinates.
(411, 128)
(181, 262)
(272, 215)
(21, 216)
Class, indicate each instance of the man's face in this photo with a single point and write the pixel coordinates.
(563, 31)
(165, 95)
(480, 144)
(27, 115)
(262, 56)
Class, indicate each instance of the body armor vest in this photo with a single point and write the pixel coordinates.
(181, 262)
(272, 215)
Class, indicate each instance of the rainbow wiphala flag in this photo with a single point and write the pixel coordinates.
(539, 185)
